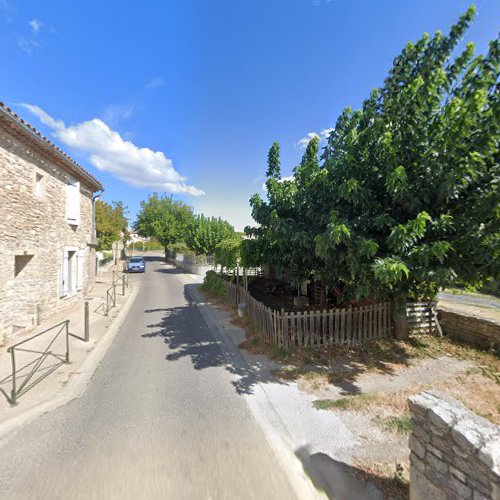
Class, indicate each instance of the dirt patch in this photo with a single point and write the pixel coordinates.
(424, 371)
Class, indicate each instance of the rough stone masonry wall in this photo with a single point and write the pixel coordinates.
(38, 226)
(468, 328)
(455, 454)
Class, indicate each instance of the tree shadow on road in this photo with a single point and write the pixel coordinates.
(186, 333)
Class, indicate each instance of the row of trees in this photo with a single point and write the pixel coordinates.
(173, 223)
(405, 197)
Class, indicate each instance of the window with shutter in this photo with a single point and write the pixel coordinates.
(73, 203)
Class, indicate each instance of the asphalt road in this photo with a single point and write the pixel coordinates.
(471, 300)
(161, 418)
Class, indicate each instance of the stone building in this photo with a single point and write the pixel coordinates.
(47, 230)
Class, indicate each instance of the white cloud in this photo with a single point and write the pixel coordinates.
(27, 44)
(115, 113)
(325, 133)
(283, 179)
(305, 140)
(36, 25)
(322, 136)
(109, 152)
(155, 83)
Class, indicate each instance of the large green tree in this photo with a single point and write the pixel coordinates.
(406, 199)
(111, 222)
(205, 233)
(164, 219)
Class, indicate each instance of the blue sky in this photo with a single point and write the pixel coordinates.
(187, 95)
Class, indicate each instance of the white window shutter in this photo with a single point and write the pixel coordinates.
(73, 203)
(63, 291)
(80, 259)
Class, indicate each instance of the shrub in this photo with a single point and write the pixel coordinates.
(212, 284)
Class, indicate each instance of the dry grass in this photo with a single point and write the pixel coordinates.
(479, 393)
(478, 389)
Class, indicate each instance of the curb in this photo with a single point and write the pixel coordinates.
(78, 382)
(263, 410)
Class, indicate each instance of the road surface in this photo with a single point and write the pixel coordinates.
(489, 302)
(160, 419)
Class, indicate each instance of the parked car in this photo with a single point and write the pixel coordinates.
(136, 265)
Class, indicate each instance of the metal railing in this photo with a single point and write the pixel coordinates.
(110, 298)
(120, 278)
(24, 378)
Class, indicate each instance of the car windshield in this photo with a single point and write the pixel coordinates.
(136, 260)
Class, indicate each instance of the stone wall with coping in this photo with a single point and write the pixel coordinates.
(34, 224)
(468, 328)
(454, 453)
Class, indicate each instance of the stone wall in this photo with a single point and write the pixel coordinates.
(34, 227)
(455, 454)
(190, 266)
(468, 328)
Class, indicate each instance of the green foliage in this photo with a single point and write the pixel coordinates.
(400, 424)
(406, 199)
(164, 219)
(205, 233)
(273, 161)
(227, 252)
(111, 222)
(212, 285)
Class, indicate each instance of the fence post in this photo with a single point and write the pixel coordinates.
(13, 395)
(114, 294)
(283, 329)
(67, 341)
(86, 316)
(123, 285)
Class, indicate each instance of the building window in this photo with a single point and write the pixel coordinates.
(71, 271)
(73, 203)
(39, 188)
(20, 262)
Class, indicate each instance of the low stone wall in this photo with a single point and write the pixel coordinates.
(190, 266)
(455, 454)
(479, 331)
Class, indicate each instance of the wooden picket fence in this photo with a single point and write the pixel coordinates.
(422, 317)
(320, 328)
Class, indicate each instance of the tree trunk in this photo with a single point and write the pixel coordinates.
(166, 253)
(401, 331)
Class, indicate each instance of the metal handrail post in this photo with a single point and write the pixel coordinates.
(86, 320)
(67, 341)
(107, 302)
(13, 394)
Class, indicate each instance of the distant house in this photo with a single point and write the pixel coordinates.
(47, 230)
(135, 238)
